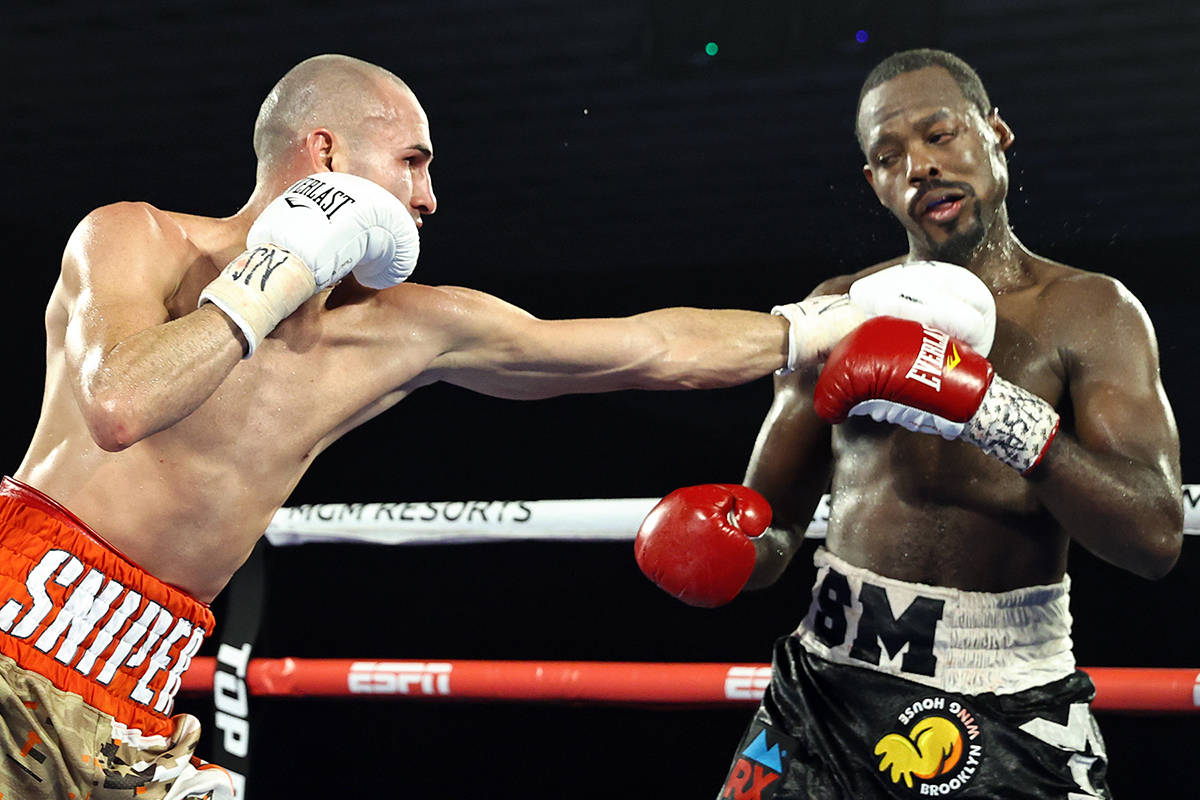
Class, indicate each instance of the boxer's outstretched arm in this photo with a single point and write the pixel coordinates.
(497, 349)
(134, 371)
(1114, 482)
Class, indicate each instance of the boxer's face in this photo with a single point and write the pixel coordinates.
(393, 148)
(935, 162)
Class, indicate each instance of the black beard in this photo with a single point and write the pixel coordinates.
(961, 247)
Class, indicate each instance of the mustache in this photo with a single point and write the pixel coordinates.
(933, 184)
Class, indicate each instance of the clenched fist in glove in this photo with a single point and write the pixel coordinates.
(942, 295)
(696, 543)
(922, 379)
(309, 238)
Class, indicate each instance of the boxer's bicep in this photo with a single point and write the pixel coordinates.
(521, 357)
(791, 459)
(114, 286)
(1119, 403)
(790, 466)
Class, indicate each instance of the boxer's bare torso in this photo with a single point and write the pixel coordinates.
(917, 508)
(188, 502)
(914, 507)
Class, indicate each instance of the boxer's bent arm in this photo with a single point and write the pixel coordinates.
(500, 350)
(790, 466)
(135, 372)
(1114, 485)
(792, 461)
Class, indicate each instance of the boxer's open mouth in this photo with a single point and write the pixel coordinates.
(942, 208)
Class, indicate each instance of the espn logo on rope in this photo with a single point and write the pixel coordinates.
(400, 677)
(746, 683)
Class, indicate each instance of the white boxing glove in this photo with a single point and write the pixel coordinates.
(306, 240)
(934, 293)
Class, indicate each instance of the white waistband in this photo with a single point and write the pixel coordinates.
(965, 642)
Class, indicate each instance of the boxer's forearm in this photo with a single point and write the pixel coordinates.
(773, 553)
(1123, 511)
(708, 349)
(790, 466)
(156, 377)
(510, 354)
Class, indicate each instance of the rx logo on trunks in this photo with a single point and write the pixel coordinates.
(935, 748)
(876, 627)
(756, 773)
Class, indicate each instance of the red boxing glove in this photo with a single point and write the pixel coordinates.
(905, 363)
(696, 543)
(918, 377)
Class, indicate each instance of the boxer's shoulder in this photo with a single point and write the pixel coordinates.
(1079, 314)
(129, 237)
(136, 217)
(449, 307)
(1071, 298)
(427, 320)
(1055, 282)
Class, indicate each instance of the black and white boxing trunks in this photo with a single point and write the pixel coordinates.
(891, 689)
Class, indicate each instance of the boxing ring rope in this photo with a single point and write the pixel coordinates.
(471, 521)
(474, 521)
(625, 683)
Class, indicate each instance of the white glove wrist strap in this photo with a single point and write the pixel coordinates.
(258, 289)
(792, 313)
(1013, 425)
(815, 325)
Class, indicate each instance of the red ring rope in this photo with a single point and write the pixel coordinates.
(1117, 688)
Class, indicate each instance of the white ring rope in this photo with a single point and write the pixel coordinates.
(472, 521)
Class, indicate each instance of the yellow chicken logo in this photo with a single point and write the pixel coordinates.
(932, 748)
(952, 358)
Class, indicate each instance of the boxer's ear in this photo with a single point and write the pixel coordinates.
(318, 147)
(1004, 134)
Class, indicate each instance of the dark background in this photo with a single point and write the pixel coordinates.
(592, 160)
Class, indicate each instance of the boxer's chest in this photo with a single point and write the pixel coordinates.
(1028, 349)
(1027, 352)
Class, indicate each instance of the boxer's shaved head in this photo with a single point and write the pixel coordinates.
(344, 94)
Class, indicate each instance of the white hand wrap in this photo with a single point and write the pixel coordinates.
(1013, 425)
(934, 293)
(815, 325)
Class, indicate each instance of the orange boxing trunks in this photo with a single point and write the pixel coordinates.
(92, 650)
